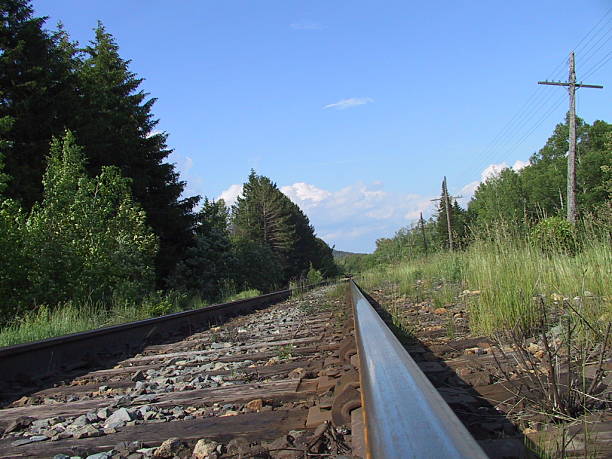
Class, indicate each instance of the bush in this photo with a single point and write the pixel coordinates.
(314, 276)
(555, 235)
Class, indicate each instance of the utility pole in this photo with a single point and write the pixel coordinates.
(422, 224)
(571, 154)
(446, 198)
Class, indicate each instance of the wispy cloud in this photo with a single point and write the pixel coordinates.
(349, 103)
(355, 216)
(306, 25)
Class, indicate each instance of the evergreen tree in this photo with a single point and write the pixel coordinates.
(209, 267)
(117, 128)
(262, 215)
(36, 90)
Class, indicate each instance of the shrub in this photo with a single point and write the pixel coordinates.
(314, 276)
(555, 235)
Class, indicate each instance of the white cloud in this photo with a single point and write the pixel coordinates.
(518, 165)
(306, 25)
(355, 216)
(349, 103)
(231, 194)
(308, 195)
(492, 170)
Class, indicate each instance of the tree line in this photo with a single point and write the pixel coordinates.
(89, 205)
(516, 199)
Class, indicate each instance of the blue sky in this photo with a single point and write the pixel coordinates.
(355, 109)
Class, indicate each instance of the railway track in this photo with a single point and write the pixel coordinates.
(315, 376)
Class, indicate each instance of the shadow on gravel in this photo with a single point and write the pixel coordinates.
(497, 435)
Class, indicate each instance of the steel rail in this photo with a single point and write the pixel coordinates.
(48, 358)
(404, 415)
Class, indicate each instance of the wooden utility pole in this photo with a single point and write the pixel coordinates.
(422, 224)
(447, 206)
(571, 154)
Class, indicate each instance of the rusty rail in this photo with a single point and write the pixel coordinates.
(404, 414)
(23, 364)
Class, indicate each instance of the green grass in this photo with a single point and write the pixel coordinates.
(513, 278)
(242, 295)
(71, 318)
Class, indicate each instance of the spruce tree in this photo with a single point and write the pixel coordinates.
(36, 90)
(117, 128)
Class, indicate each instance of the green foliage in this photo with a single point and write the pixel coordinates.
(257, 266)
(554, 235)
(87, 239)
(314, 276)
(49, 83)
(210, 263)
(263, 215)
(243, 295)
(159, 303)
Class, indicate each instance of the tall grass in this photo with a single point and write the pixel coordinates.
(513, 277)
(71, 317)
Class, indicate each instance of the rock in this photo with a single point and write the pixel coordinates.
(533, 348)
(19, 423)
(298, 373)
(255, 405)
(21, 442)
(123, 400)
(103, 413)
(147, 452)
(40, 423)
(80, 421)
(140, 385)
(39, 438)
(23, 401)
(238, 447)
(102, 388)
(61, 456)
(92, 416)
(119, 416)
(103, 455)
(168, 448)
(87, 431)
(125, 448)
(474, 351)
(138, 376)
(204, 449)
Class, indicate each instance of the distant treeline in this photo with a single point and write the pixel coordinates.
(90, 207)
(517, 200)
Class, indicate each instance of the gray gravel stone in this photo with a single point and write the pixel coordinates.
(103, 413)
(80, 421)
(103, 455)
